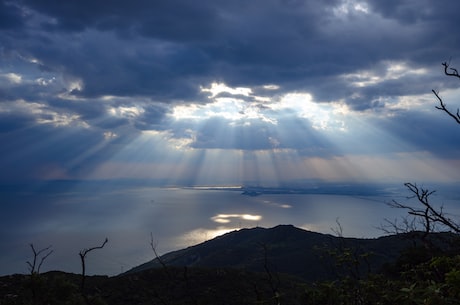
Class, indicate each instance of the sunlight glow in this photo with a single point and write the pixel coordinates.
(127, 112)
(43, 114)
(232, 109)
(60, 119)
(278, 205)
(313, 227)
(45, 82)
(32, 60)
(392, 70)
(238, 111)
(183, 112)
(71, 86)
(108, 97)
(13, 78)
(201, 235)
(176, 143)
(351, 6)
(323, 116)
(75, 85)
(228, 108)
(217, 88)
(411, 102)
(271, 87)
(227, 218)
(108, 135)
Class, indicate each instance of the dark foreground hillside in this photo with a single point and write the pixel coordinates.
(280, 265)
(156, 286)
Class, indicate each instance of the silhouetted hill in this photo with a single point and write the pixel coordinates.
(286, 249)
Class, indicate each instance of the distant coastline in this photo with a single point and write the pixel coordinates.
(320, 189)
(352, 190)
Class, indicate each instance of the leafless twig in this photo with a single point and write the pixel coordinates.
(83, 254)
(34, 269)
(429, 215)
(442, 106)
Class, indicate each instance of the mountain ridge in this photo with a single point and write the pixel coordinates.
(283, 248)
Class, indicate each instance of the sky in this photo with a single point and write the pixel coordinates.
(192, 93)
(220, 92)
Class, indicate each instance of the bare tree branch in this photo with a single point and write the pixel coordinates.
(33, 266)
(442, 106)
(406, 225)
(446, 70)
(83, 254)
(154, 249)
(338, 231)
(426, 213)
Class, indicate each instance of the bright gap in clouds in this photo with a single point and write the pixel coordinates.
(264, 108)
(389, 70)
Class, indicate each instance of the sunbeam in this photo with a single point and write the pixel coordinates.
(236, 140)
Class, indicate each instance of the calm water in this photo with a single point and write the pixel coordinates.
(177, 218)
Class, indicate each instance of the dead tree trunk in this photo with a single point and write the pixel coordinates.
(83, 254)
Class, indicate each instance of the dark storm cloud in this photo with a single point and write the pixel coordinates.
(153, 118)
(411, 11)
(168, 48)
(10, 16)
(88, 109)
